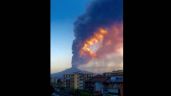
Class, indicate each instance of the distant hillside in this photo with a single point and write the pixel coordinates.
(74, 69)
(67, 71)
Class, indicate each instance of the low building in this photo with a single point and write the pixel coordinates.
(114, 86)
(113, 73)
(96, 85)
(101, 85)
(53, 81)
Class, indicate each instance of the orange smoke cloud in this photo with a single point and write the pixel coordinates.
(91, 45)
(108, 55)
(103, 42)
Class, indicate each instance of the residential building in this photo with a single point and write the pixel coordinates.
(96, 85)
(113, 73)
(101, 85)
(76, 80)
(113, 86)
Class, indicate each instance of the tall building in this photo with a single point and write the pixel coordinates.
(76, 80)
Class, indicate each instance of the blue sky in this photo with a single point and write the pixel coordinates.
(63, 14)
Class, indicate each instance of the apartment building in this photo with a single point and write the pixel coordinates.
(76, 80)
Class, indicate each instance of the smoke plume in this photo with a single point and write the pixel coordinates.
(98, 40)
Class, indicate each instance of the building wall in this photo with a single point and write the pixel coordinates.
(76, 80)
(121, 89)
(98, 86)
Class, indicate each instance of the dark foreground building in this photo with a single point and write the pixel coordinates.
(102, 85)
